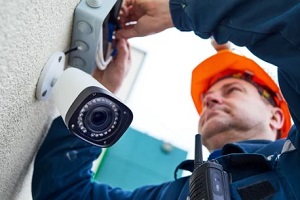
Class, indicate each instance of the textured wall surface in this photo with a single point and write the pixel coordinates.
(30, 31)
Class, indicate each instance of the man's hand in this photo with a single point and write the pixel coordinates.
(112, 77)
(219, 47)
(144, 17)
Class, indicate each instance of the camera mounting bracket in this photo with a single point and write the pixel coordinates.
(52, 69)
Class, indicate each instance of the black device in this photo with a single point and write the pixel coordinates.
(208, 181)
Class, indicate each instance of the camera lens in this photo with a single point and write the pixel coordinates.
(98, 117)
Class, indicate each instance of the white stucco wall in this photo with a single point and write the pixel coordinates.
(30, 31)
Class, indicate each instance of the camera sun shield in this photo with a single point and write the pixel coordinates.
(98, 118)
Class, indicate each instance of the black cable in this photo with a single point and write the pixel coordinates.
(70, 50)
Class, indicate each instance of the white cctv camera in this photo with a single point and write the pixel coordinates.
(89, 110)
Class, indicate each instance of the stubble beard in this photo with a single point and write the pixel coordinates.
(218, 132)
(215, 128)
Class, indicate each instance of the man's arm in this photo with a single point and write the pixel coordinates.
(62, 170)
(269, 29)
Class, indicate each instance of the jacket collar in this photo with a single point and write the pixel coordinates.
(247, 146)
(264, 147)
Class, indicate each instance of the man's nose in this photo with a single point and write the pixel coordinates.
(212, 99)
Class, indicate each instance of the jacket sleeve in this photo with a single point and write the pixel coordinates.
(269, 29)
(62, 170)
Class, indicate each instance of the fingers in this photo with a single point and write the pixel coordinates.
(140, 18)
(123, 54)
(146, 25)
(219, 47)
(129, 13)
(127, 32)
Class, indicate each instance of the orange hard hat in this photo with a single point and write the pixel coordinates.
(224, 63)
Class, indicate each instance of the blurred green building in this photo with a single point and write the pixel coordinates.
(138, 159)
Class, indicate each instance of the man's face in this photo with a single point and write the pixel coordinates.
(233, 110)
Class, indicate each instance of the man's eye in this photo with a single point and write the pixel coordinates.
(232, 89)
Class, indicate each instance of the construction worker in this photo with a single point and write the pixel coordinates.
(242, 112)
(268, 29)
(259, 169)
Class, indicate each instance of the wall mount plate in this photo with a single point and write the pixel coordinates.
(53, 68)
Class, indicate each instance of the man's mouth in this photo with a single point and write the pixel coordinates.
(213, 113)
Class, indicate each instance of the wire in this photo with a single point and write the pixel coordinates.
(99, 58)
(100, 61)
(70, 50)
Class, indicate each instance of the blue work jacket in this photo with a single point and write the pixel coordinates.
(62, 169)
(269, 29)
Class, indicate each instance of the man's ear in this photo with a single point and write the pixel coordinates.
(277, 119)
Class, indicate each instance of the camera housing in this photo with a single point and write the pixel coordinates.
(89, 110)
(93, 26)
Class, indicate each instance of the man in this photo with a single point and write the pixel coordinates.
(56, 177)
(269, 29)
(226, 99)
